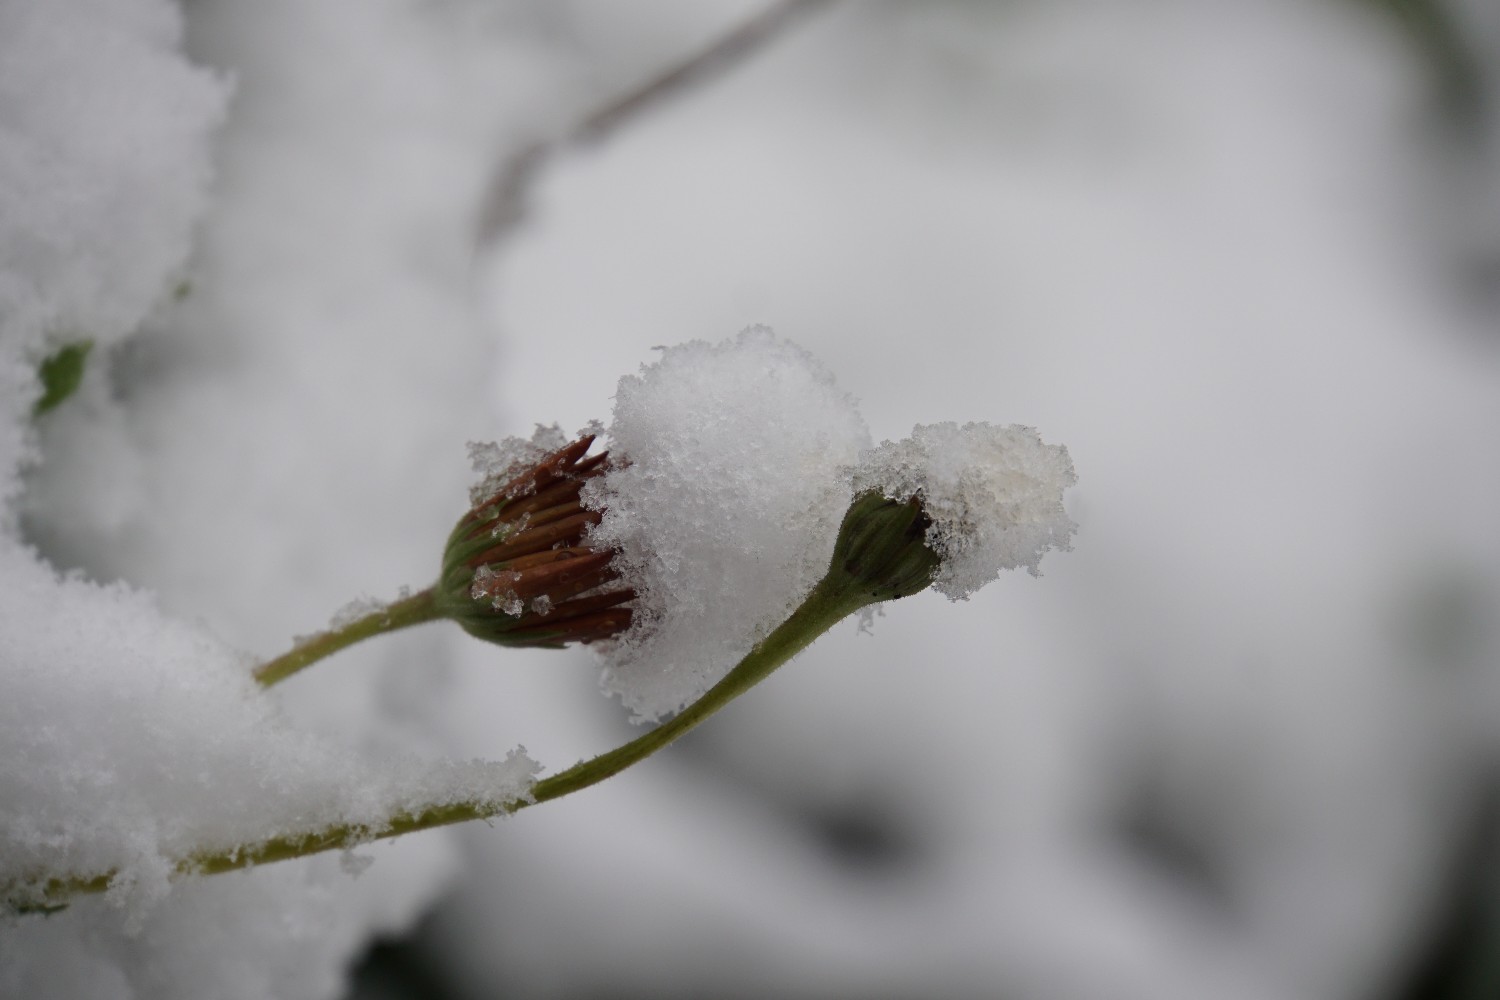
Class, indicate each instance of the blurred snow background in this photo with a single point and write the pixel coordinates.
(1242, 258)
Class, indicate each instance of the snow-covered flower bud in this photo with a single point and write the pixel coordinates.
(882, 551)
(518, 569)
(977, 499)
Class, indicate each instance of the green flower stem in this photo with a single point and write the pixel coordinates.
(824, 607)
(828, 604)
(413, 610)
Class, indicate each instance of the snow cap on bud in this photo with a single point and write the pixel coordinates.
(518, 569)
(991, 498)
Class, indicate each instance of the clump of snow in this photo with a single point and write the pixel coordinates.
(131, 741)
(724, 502)
(994, 495)
(104, 162)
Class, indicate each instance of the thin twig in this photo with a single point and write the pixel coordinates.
(506, 205)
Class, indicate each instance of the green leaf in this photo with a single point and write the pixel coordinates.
(60, 374)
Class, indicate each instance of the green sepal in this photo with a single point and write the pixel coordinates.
(882, 552)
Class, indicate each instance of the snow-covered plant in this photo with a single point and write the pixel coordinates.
(739, 514)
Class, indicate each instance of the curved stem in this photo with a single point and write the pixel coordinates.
(413, 610)
(823, 608)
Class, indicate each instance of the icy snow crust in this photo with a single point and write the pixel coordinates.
(994, 495)
(725, 505)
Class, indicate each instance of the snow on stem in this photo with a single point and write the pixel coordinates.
(830, 602)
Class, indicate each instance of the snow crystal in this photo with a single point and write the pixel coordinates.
(360, 607)
(351, 612)
(483, 578)
(497, 463)
(724, 502)
(994, 495)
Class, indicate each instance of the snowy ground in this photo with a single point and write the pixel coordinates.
(1239, 257)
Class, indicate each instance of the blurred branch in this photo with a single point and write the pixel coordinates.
(1450, 58)
(1461, 958)
(506, 205)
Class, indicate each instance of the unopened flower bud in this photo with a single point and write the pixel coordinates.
(991, 498)
(882, 552)
(518, 569)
